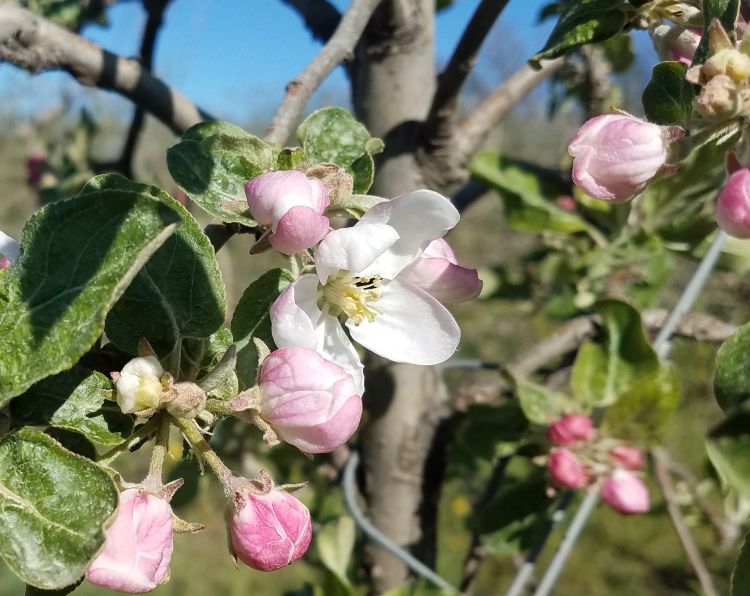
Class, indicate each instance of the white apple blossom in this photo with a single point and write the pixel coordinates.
(357, 280)
(139, 384)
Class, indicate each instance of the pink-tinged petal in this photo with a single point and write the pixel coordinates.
(333, 344)
(138, 545)
(630, 458)
(626, 493)
(298, 229)
(411, 326)
(353, 249)
(440, 249)
(271, 195)
(419, 217)
(733, 205)
(269, 531)
(443, 280)
(8, 247)
(295, 314)
(571, 429)
(566, 470)
(4, 262)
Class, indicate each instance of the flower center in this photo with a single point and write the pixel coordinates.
(354, 296)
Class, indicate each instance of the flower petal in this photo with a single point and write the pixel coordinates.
(299, 228)
(334, 345)
(419, 217)
(295, 314)
(412, 326)
(8, 247)
(353, 249)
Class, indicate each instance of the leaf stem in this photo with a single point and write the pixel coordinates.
(144, 431)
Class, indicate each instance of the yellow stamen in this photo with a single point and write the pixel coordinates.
(351, 295)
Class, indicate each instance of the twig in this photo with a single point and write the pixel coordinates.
(321, 17)
(31, 42)
(338, 49)
(474, 128)
(683, 533)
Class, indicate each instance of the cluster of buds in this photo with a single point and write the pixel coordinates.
(581, 457)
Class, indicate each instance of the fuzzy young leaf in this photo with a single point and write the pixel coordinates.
(668, 97)
(51, 314)
(727, 12)
(728, 447)
(582, 22)
(178, 294)
(53, 507)
(333, 135)
(543, 406)
(73, 400)
(732, 371)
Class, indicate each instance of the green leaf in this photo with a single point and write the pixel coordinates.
(619, 52)
(621, 361)
(74, 400)
(740, 584)
(732, 372)
(724, 10)
(50, 315)
(252, 319)
(527, 199)
(356, 205)
(32, 591)
(668, 97)
(582, 22)
(335, 543)
(728, 447)
(53, 506)
(178, 294)
(543, 406)
(333, 135)
(213, 162)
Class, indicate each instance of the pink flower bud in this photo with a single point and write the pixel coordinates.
(438, 273)
(733, 206)
(676, 42)
(268, 530)
(293, 205)
(310, 402)
(566, 202)
(4, 262)
(628, 457)
(137, 546)
(616, 156)
(626, 493)
(566, 469)
(570, 429)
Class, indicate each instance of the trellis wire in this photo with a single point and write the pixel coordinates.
(661, 346)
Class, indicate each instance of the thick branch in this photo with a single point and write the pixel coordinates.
(33, 43)
(474, 128)
(683, 533)
(321, 17)
(338, 49)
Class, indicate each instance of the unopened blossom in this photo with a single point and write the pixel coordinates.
(675, 42)
(268, 528)
(733, 205)
(8, 249)
(628, 457)
(625, 492)
(438, 273)
(137, 546)
(310, 402)
(566, 469)
(570, 429)
(616, 155)
(358, 280)
(293, 205)
(139, 385)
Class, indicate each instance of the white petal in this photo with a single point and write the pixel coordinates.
(295, 314)
(8, 247)
(419, 217)
(411, 327)
(353, 249)
(334, 345)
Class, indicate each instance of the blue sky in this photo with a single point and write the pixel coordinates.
(234, 57)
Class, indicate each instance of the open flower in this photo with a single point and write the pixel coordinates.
(137, 546)
(293, 205)
(358, 280)
(310, 402)
(8, 250)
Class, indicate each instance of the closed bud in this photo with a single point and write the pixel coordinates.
(268, 528)
(675, 43)
(4, 262)
(137, 545)
(188, 400)
(309, 402)
(616, 155)
(570, 429)
(292, 205)
(719, 99)
(139, 384)
(566, 469)
(628, 457)
(438, 273)
(733, 205)
(626, 493)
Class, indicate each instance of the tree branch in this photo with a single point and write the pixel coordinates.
(474, 128)
(338, 49)
(683, 533)
(321, 17)
(37, 45)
